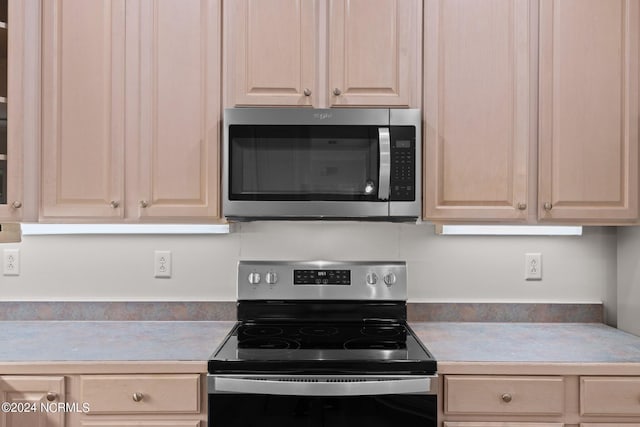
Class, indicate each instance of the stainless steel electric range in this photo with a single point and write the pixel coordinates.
(322, 344)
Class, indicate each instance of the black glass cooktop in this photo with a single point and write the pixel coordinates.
(333, 347)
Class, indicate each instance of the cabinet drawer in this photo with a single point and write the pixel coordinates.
(504, 395)
(134, 394)
(610, 396)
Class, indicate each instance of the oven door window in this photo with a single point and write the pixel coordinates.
(333, 163)
(242, 410)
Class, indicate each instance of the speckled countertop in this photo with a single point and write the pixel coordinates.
(51, 341)
(110, 341)
(528, 342)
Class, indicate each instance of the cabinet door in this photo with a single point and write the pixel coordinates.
(82, 108)
(32, 392)
(588, 168)
(179, 101)
(478, 105)
(374, 52)
(11, 108)
(270, 52)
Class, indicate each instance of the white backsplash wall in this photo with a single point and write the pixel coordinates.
(441, 268)
(629, 279)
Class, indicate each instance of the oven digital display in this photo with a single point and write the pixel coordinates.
(321, 277)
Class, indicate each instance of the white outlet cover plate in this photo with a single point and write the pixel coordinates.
(11, 262)
(533, 266)
(162, 264)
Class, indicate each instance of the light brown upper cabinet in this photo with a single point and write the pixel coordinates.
(589, 110)
(150, 151)
(322, 53)
(478, 109)
(83, 108)
(493, 149)
(12, 104)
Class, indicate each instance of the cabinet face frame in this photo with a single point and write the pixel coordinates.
(565, 193)
(450, 195)
(69, 196)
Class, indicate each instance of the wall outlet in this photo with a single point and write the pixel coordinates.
(11, 265)
(162, 264)
(533, 266)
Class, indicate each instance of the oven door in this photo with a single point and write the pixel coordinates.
(340, 401)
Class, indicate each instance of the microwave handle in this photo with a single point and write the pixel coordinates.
(384, 177)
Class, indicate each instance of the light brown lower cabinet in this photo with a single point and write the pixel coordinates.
(107, 399)
(540, 401)
(31, 401)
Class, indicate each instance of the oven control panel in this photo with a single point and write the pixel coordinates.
(322, 280)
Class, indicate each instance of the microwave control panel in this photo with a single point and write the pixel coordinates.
(403, 163)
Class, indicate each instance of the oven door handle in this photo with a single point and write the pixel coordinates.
(321, 387)
(384, 174)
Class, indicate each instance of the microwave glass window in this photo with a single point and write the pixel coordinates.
(303, 162)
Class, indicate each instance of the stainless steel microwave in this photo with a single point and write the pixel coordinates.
(296, 163)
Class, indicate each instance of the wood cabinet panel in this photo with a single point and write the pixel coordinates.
(114, 394)
(504, 395)
(270, 52)
(612, 396)
(83, 108)
(588, 168)
(478, 103)
(32, 390)
(373, 52)
(179, 109)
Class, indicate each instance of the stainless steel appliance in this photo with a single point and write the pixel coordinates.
(322, 344)
(321, 163)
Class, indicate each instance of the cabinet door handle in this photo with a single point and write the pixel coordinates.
(137, 396)
(114, 204)
(307, 92)
(548, 206)
(506, 398)
(16, 205)
(337, 92)
(51, 396)
(144, 203)
(522, 206)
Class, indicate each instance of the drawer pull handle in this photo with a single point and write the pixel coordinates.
(51, 396)
(137, 396)
(506, 398)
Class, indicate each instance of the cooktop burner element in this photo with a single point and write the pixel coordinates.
(306, 318)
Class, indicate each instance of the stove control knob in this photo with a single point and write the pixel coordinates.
(271, 278)
(372, 279)
(389, 279)
(254, 278)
